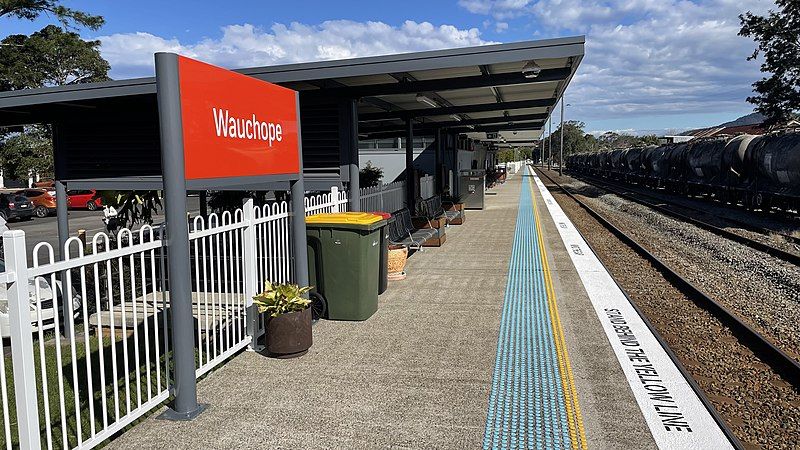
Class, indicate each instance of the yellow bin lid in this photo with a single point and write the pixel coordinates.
(345, 218)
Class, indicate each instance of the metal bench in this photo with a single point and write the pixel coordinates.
(433, 209)
(403, 232)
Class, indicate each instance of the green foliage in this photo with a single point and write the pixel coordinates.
(505, 156)
(369, 176)
(26, 152)
(278, 299)
(32, 9)
(576, 140)
(49, 57)
(777, 36)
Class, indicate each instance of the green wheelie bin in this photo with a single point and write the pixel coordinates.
(343, 259)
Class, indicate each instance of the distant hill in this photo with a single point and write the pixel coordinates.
(750, 119)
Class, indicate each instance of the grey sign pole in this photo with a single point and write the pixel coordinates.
(62, 219)
(185, 405)
(298, 192)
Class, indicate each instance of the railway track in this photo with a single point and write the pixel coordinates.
(784, 255)
(762, 347)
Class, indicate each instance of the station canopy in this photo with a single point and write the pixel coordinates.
(502, 92)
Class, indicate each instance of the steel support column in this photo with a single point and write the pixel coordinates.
(437, 163)
(352, 130)
(561, 136)
(185, 406)
(204, 203)
(541, 152)
(410, 182)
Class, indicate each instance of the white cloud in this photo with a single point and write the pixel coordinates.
(499, 9)
(500, 27)
(648, 57)
(131, 54)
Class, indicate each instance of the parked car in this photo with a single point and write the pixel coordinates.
(86, 198)
(48, 312)
(15, 206)
(44, 201)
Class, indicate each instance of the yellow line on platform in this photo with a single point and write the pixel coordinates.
(575, 420)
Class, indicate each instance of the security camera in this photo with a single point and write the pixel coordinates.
(531, 69)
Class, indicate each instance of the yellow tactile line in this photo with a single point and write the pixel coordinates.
(575, 420)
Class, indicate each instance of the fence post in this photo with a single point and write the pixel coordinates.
(335, 199)
(21, 333)
(380, 195)
(250, 270)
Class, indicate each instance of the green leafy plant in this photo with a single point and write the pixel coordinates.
(278, 299)
(369, 176)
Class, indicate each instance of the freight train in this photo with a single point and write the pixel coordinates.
(757, 171)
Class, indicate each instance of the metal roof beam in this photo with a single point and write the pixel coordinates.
(429, 129)
(445, 84)
(459, 123)
(446, 111)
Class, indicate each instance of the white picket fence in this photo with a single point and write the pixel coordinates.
(514, 167)
(113, 366)
(384, 197)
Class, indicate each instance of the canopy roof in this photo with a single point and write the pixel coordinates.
(473, 90)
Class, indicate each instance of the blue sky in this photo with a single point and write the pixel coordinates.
(651, 65)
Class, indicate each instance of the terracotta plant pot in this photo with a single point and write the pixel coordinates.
(289, 335)
(398, 256)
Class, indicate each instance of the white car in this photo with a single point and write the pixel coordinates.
(46, 298)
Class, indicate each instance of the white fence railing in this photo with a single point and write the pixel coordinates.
(76, 387)
(384, 197)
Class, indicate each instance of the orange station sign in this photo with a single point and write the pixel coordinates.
(236, 126)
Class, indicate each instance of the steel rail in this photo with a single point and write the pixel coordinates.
(762, 347)
(736, 237)
(744, 224)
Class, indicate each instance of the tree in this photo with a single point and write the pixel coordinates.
(505, 156)
(29, 152)
(369, 176)
(777, 36)
(50, 57)
(32, 9)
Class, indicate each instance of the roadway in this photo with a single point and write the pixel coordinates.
(46, 229)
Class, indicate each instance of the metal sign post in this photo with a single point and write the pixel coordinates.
(185, 406)
(219, 130)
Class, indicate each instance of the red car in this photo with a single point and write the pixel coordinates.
(87, 198)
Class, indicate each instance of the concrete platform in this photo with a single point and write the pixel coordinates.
(418, 374)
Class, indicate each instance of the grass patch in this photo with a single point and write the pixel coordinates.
(69, 422)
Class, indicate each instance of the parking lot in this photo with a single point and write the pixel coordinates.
(46, 229)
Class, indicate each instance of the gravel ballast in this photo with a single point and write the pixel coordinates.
(761, 408)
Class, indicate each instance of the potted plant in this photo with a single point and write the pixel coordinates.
(288, 326)
(398, 256)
